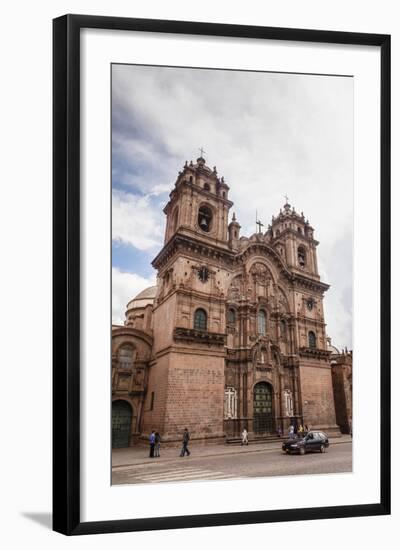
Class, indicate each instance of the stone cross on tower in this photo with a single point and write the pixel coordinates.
(258, 222)
(201, 152)
(286, 198)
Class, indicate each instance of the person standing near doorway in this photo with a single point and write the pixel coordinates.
(185, 443)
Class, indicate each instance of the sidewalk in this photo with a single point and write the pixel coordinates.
(134, 456)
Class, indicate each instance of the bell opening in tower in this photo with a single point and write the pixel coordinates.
(205, 218)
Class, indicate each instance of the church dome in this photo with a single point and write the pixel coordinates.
(143, 299)
(333, 349)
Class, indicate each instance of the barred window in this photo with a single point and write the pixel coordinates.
(125, 356)
(261, 322)
(200, 319)
(312, 341)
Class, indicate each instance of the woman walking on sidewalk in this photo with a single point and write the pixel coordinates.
(245, 437)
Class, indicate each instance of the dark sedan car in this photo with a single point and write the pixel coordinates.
(304, 443)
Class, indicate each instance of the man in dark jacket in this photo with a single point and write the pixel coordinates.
(185, 443)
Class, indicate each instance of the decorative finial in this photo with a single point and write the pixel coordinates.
(234, 217)
(287, 199)
(201, 152)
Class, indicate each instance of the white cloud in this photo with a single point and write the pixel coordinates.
(135, 222)
(268, 134)
(125, 286)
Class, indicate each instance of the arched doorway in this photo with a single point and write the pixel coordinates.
(262, 408)
(121, 423)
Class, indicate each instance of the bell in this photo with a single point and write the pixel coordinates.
(203, 223)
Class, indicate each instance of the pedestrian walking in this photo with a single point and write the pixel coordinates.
(245, 437)
(291, 431)
(152, 440)
(157, 444)
(185, 443)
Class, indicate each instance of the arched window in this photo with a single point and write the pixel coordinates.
(312, 341)
(200, 319)
(175, 219)
(125, 356)
(231, 316)
(261, 322)
(283, 329)
(205, 218)
(301, 256)
(207, 186)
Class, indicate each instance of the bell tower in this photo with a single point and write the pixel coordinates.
(199, 205)
(187, 379)
(293, 236)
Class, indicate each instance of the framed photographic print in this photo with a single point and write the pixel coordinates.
(221, 274)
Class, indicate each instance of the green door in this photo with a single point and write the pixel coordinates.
(262, 408)
(121, 424)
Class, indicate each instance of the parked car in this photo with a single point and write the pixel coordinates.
(304, 443)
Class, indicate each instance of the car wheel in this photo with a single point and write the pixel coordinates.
(322, 448)
(302, 451)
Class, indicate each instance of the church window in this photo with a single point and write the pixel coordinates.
(125, 356)
(223, 194)
(230, 403)
(299, 230)
(301, 256)
(200, 319)
(152, 401)
(261, 322)
(175, 220)
(231, 315)
(283, 329)
(312, 341)
(205, 218)
(207, 186)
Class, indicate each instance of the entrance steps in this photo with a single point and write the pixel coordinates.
(232, 440)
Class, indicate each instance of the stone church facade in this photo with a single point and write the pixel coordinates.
(233, 335)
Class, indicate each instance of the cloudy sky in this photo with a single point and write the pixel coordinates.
(268, 134)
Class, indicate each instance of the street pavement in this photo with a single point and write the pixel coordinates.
(221, 462)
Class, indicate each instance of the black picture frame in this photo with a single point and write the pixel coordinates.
(66, 272)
